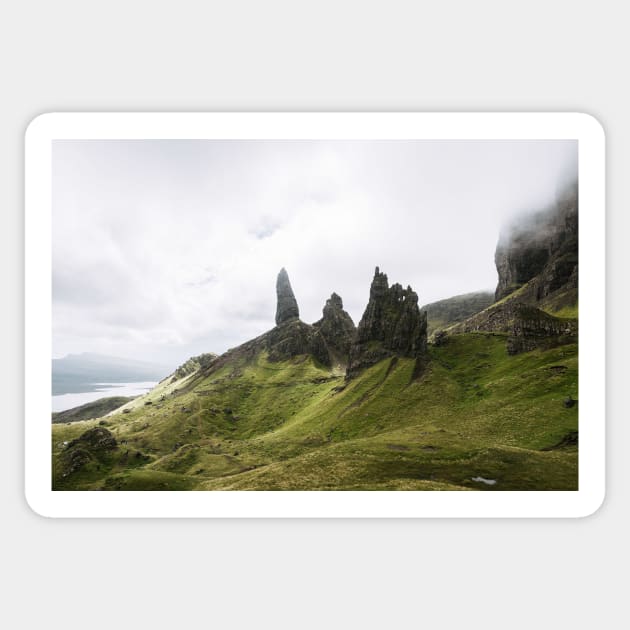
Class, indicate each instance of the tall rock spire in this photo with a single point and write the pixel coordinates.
(287, 308)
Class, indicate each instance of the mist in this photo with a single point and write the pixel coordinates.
(167, 249)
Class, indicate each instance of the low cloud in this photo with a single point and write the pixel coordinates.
(162, 249)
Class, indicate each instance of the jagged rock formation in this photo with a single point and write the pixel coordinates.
(287, 308)
(455, 309)
(527, 327)
(392, 325)
(540, 255)
(294, 338)
(327, 341)
(337, 328)
(532, 328)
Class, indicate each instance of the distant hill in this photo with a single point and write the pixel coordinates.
(95, 409)
(455, 309)
(78, 372)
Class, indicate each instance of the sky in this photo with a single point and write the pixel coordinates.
(163, 249)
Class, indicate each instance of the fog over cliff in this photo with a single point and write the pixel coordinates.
(166, 249)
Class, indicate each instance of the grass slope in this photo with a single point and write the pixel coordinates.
(256, 425)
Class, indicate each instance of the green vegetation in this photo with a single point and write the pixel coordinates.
(252, 424)
(566, 312)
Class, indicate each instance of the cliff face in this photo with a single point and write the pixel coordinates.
(537, 292)
(392, 325)
(542, 253)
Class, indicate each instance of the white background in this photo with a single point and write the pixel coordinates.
(325, 56)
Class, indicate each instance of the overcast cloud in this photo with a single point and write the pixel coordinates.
(164, 249)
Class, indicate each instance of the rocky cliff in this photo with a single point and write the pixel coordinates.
(538, 256)
(537, 292)
(337, 328)
(392, 325)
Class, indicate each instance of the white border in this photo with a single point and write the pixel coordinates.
(47, 127)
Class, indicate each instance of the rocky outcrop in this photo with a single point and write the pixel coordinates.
(288, 339)
(526, 327)
(532, 328)
(392, 325)
(98, 438)
(287, 308)
(193, 364)
(541, 251)
(337, 329)
(295, 338)
(90, 447)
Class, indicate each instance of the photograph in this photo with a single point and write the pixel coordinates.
(314, 314)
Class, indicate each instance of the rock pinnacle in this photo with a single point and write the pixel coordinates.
(287, 308)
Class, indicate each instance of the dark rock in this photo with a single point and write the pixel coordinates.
(337, 328)
(532, 328)
(97, 438)
(528, 327)
(287, 308)
(569, 439)
(541, 247)
(294, 338)
(88, 447)
(569, 402)
(392, 325)
(76, 460)
(440, 337)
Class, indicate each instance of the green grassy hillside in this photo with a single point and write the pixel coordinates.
(252, 424)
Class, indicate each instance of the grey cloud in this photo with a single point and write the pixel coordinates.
(163, 248)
